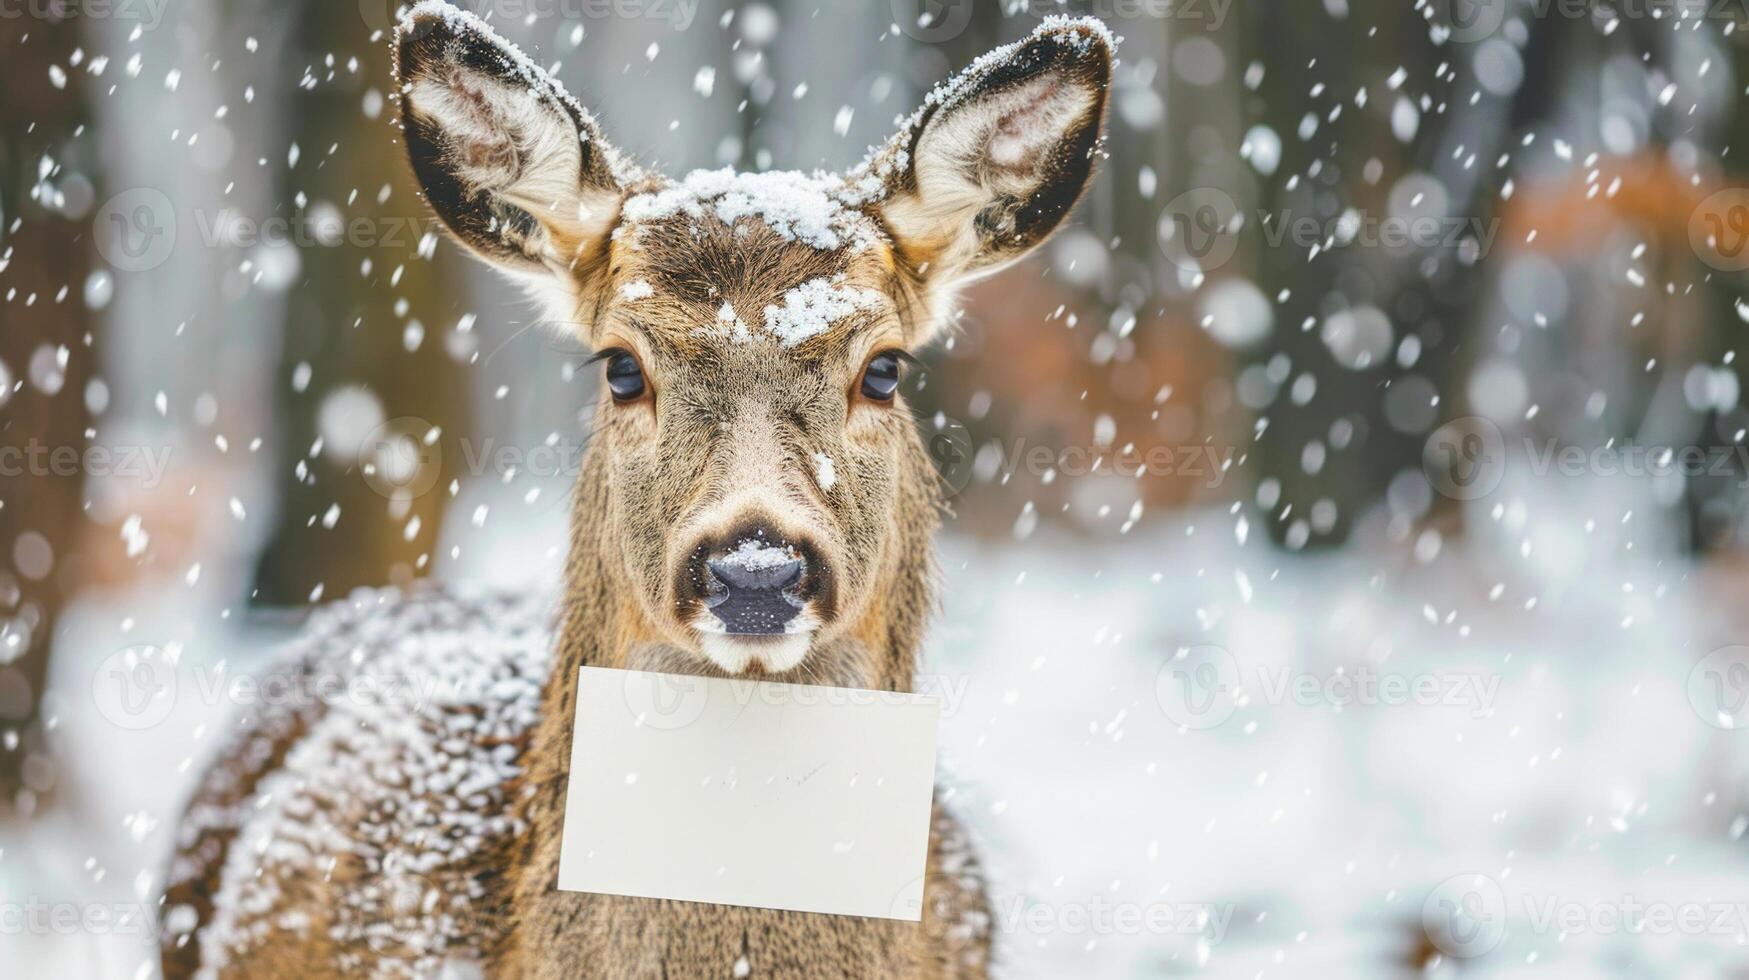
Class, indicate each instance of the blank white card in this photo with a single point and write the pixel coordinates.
(782, 796)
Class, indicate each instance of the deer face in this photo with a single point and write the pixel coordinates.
(751, 430)
(754, 471)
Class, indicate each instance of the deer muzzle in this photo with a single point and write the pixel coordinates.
(752, 589)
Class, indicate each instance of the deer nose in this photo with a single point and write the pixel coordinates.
(749, 589)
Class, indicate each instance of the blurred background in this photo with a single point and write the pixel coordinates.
(1347, 526)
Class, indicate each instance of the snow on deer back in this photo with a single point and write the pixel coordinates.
(382, 768)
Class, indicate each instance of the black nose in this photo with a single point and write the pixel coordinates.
(750, 588)
(769, 574)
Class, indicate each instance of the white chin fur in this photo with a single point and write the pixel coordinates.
(773, 654)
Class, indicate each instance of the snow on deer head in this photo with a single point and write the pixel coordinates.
(755, 483)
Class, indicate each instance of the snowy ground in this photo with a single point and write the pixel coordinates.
(1277, 828)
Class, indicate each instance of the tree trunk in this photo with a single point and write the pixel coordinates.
(347, 341)
(46, 353)
(1333, 456)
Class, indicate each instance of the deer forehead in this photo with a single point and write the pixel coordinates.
(774, 259)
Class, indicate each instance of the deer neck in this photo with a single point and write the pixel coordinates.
(602, 624)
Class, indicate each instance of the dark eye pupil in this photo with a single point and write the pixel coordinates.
(881, 378)
(624, 378)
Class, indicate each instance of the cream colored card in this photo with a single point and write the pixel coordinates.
(813, 799)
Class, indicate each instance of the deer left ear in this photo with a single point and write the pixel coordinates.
(516, 169)
(988, 167)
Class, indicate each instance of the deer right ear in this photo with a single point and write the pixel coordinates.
(988, 168)
(511, 163)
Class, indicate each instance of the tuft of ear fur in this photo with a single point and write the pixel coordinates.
(510, 162)
(987, 168)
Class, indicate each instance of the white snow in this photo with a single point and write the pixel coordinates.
(637, 289)
(1047, 657)
(813, 307)
(824, 471)
(431, 694)
(812, 209)
(728, 324)
(756, 556)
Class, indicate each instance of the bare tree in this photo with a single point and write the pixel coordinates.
(369, 316)
(46, 350)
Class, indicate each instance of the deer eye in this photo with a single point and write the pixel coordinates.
(881, 378)
(624, 377)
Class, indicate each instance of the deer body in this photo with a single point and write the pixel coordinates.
(754, 503)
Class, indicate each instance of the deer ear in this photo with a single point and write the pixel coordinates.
(511, 163)
(988, 167)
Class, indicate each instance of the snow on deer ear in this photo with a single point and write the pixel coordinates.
(509, 161)
(988, 167)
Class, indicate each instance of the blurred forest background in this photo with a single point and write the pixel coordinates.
(211, 252)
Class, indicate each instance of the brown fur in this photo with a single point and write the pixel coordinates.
(728, 431)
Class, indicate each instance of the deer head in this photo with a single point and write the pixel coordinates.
(755, 491)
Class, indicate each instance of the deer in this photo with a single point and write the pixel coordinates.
(755, 502)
